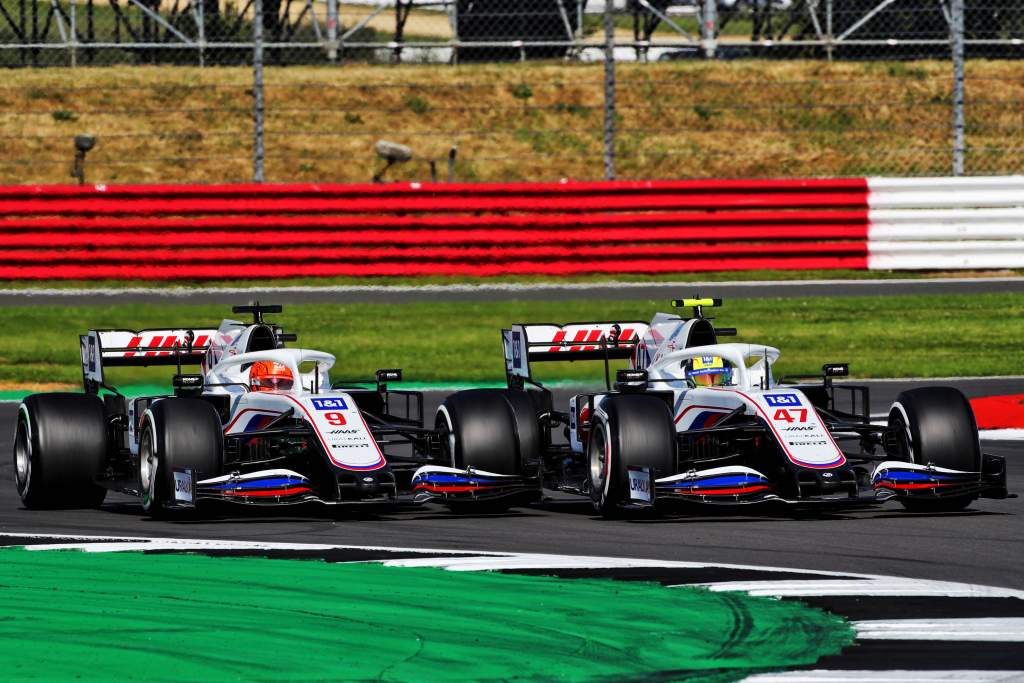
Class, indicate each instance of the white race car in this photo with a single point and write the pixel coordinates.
(262, 424)
(700, 421)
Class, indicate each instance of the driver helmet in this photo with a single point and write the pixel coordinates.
(269, 375)
(708, 371)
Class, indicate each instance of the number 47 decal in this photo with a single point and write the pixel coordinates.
(785, 415)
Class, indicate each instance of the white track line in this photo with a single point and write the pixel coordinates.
(821, 676)
(832, 583)
(876, 586)
(1004, 630)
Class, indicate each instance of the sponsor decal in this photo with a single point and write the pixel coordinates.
(345, 431)
(183, 486)
(92, 353)
(160, 341)
(336, 403)
(807, 443)
(361, 444)
(587, 336)
(782, 400)
(800, 429)
(640, 485)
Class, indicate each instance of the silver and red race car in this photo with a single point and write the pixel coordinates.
(219, 437)
(663, 435)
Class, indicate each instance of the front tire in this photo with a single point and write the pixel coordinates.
(60, 446)
(937, 427)
(628, 430)
(494, 430)
(178, 433)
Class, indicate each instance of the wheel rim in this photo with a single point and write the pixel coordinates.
(898, 421)
(598, 460)
(443, 424)
(22, 457)
(147, 469)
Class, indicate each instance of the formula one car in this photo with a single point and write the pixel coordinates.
(700, 421)
(261, 425)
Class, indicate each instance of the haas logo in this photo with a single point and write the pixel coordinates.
(159, 341)
(586, 335)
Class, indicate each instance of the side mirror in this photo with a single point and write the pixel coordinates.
(388, 375)
(630, 380)
(187, 385)
(835, 369)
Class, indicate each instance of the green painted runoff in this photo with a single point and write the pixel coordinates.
(72, 615)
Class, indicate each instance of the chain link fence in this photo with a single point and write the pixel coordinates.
(478, 90)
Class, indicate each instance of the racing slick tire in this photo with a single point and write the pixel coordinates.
(938, 428)
(494, 430)
(182, 434)
(628, 430)
(60, 446)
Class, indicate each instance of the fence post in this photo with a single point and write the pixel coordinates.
(73, 38)
(257, 92)
(708, 27)
(957, 38)
(609, 90)
(830, 45)
(332, 30)
(201, 29)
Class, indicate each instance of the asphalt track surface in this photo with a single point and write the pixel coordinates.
(393, 294)
(983, 545)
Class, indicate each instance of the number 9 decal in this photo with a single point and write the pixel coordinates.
(335, 419)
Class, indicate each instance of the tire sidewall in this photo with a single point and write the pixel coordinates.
(150, 489)
(23, 430)
(603, 491)
(446, 428)
(899, 418)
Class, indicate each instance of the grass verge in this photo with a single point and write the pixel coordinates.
(536, 121)
(899, 336)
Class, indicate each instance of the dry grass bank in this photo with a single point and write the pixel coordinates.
(535, 121)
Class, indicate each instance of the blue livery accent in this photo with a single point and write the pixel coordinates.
(735, 480)
(909, 475)
(782, 400)
(454, 479)
(337, 403)
(707, 418)
(258, 483)
(257, 422)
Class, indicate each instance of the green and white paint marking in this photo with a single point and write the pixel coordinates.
(127, 615)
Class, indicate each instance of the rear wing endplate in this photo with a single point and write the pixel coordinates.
(575, 341)
(112, 348)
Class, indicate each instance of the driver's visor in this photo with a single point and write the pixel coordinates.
(273, 383)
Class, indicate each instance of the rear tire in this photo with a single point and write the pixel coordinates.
(494, 430)
(636, 430)
(60, 446)
(938, 428)
(177, 433)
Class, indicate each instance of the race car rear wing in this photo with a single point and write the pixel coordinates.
(571, 342)
(140, 348)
